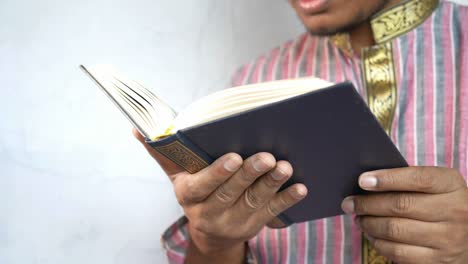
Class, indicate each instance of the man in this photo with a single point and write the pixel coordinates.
(409, 60)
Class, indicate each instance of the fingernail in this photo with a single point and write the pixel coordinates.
(348, 205)
(367, 181)
(278, 175)
(298, 192)
(232, 164)
(260, 165)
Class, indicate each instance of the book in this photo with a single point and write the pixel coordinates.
(326, 131)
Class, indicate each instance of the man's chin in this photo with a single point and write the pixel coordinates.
(324, 31)
(330, 31)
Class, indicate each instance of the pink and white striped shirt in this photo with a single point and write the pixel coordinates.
(430, 124)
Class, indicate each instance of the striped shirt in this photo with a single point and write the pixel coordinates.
(429, 125)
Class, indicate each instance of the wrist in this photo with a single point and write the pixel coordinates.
(209, 245)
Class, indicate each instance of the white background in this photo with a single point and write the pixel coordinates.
(75, 187)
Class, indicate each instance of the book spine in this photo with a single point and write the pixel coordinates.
(183, 152)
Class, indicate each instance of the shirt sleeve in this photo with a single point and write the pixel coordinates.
(175, 241)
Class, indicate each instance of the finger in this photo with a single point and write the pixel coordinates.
(259, 193)
(415, 179)
(416, 206)
(280, 202)
(276, 223)
(403, 253)
(403, 230)
(169, 167)
(253, 167)
(193, 188)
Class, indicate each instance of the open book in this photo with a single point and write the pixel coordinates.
(155, 119)
(326, 131)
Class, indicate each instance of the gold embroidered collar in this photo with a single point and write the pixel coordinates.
(405, 16)
(393, 22)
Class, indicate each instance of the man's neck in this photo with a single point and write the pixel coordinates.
(362, 36)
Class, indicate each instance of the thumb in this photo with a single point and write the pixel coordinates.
(169, 167)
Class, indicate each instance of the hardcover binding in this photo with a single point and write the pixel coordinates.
(182, 152)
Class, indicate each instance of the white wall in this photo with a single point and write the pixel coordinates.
(74, 185)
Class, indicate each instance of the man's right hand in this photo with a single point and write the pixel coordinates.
(231, 200)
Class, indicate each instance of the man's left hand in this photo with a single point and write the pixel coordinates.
(415, 214)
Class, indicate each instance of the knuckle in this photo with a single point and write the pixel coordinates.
(217, 177)
(360, 205)
(268, 158)
(363, 222)
(388, 178)
(252, 200)
(272, 210)
(404, 203)
(270, 183)
(246, 176)
(424, 179)
(223, 195)
(397, 253)
(284, 202)
(394, 229)
(218, 168)
(232, 156)
(261, 163)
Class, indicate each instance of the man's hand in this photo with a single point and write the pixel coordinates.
(417, 214)
(230, 201)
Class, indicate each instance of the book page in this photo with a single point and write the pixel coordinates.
(155, 119)
(239, 99)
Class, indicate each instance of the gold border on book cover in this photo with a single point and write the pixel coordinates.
(183, 156)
